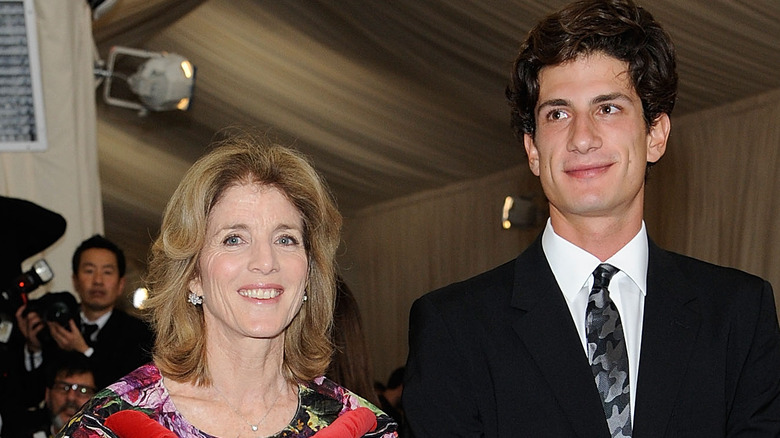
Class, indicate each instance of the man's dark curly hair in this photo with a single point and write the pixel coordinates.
(617, 28)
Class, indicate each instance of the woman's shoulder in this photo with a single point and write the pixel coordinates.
(326, 400)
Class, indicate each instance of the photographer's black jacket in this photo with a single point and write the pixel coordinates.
(122, 345)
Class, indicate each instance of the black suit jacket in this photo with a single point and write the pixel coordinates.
(122, 345)
(498, 355)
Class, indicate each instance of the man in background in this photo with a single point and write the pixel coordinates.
(594, 331)
(390, 400)
(114, 342)
(69, 384)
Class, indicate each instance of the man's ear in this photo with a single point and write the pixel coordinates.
(532, 153)
(657, 138)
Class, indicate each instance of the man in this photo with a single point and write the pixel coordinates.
(594, 331)
(115, 342)
(69, 384)
(390, 400)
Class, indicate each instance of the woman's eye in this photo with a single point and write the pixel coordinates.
(232, 240)
(287, 240)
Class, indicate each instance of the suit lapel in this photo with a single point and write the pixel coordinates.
(549, 334)
(668, 334)
(109, 329)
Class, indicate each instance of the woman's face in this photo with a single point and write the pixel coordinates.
(253, 265)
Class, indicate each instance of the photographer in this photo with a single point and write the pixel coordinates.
(115, 342)
(45, 228)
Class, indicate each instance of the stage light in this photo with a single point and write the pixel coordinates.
(518, 212)
(165, 81)
(139, 297)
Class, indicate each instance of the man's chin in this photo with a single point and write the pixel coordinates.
(96, 306)
(62, 419)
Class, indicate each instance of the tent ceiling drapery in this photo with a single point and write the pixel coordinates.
(389, 98)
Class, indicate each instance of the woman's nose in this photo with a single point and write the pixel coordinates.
(263, 258)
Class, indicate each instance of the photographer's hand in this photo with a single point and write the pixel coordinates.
(70, 340)
(30, 325)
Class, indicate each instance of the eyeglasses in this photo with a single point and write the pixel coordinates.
(79, 390)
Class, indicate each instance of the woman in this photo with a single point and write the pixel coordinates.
(241, 282)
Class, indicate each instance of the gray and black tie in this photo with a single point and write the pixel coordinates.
(607, 353)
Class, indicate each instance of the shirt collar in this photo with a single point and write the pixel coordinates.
(100, 322)
(573, 266)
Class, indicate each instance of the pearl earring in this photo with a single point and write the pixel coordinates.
(305, 297)
(194, 299)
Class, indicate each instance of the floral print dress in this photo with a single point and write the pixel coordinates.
(320, 402)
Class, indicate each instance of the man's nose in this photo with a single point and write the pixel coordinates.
(584, 135)
(73, 396)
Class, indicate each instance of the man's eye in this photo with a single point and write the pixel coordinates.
(610, 109)
(557, 115)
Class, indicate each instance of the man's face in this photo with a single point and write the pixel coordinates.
(63, 401)
(591, 145)
(97, 280)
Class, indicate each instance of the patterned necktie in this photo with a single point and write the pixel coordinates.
(607, 353)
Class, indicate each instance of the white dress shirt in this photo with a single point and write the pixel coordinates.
(100, 322)
(573, 269)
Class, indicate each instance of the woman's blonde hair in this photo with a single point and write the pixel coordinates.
(180, 345)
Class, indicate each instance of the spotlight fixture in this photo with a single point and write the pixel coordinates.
(100, 7)
(163, 82)
(518, 212)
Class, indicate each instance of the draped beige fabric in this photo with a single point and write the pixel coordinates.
(390, 98)
(64, 178)
(714, 196)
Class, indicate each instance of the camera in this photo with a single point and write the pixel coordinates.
(16, 293)
(57, 307)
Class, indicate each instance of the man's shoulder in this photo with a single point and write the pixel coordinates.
(711, 288)
(127, 323)
(703, 272)
(124, 317)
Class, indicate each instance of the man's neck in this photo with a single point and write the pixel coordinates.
(600, 236)
(93, 315)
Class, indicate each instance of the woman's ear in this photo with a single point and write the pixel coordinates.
(195, 285)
